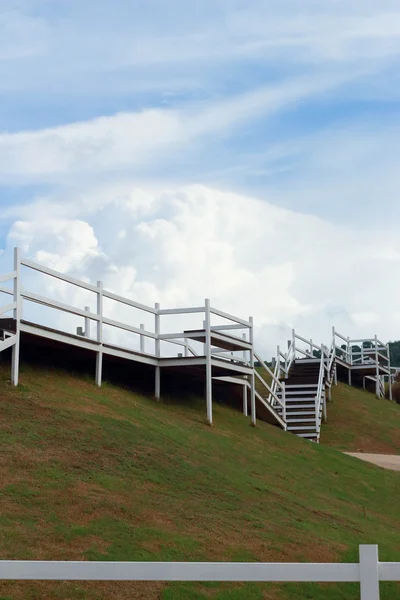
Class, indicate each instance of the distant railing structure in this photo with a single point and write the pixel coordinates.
(365, 354)
(368, 572)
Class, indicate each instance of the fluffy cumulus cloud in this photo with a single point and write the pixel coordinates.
(249, 256)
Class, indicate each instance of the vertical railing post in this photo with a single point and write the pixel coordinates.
(252, 376)
(284, 403)
(390, 375)
(87, 323)
(17, 317)
(207, 323)
(187, 353)
(244, 336)
(142, 339)
(99, 357)
(369, 572)
(311, 347)
(377, 388)
(157, 383)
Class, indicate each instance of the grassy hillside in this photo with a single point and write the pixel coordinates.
(109, 475)
(357, 420)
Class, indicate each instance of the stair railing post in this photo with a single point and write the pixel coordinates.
(390, 375)
(377, 388)
(15, 357)
(284, 404)
(87, 323)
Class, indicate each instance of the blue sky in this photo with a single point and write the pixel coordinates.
(295, 104)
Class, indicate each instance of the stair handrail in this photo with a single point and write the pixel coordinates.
(318, 397)
(279, 384)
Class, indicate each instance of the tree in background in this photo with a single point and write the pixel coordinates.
(394, 350)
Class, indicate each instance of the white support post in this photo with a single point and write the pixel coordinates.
(311, 347)
(349, 375)
(17, 316)
(99, 357)
(390, 375)
(244, 336)
(245, 400)
(252, 376)
(284, 404)
(369, 572)
(207, 324)
(87, 323)
(377, 388)
(157, 383)
(187, 353)
(349, 353)
(142, 339)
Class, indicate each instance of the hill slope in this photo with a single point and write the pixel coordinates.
(109, 475)
(357, 420)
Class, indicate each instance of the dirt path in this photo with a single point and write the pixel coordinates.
(387, 461)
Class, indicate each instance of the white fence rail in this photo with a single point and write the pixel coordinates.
(368, 572)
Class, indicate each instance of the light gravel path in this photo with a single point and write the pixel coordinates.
(387, 461)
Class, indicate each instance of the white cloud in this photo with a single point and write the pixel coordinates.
(248, 256)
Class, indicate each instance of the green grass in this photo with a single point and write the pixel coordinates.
(357, 420)
(89, 474)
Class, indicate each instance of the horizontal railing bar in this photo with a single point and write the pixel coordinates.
(128, 302)
(8, 342)
(181, 311)
(341, 336)
(47, 271)
(168, 571)
(389, 571)
(173, 336)
(309, 342)
(8, 277)
(5, 290)
(225, 315)
(130, 328)
(226, 328)
(7, 308)
(59, 305)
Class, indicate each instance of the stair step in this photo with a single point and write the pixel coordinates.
(301, 428)
(299, 413)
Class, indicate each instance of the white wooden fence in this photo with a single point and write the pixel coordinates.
(368, 572)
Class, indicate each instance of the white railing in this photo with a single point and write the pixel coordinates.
(273, 398)
(320, 397)
(368, 572)
(294, 350)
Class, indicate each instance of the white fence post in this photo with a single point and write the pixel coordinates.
(390, 375)
(87, 323)
(244, 336)
(17, 316)
(142, 339)
(377, 388)
(157, 386)
(369, 572)
(207, 324)
(252, 376)
(99, 357)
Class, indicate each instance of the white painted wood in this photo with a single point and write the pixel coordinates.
(178, 571)
(369, 572)
(8, 343)
(120, 325)
(15, 356)
(207, 349)
(377, 390)
(157, 329)
(8, 277)
(252, 375)
(5, 290)
(228, 316)
(99, 368)
(245, 400)
(36, 267)
(181, 311)
(142, 339)
(128, 302)
(87, 322)
(59, 305)
(8, 308)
